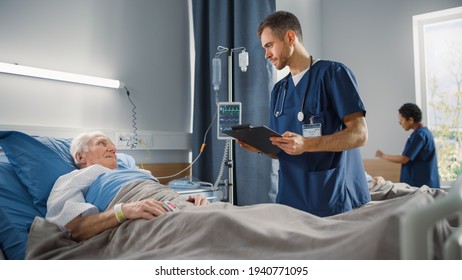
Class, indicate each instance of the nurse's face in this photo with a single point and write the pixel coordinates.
(276, 50)
(406, 124)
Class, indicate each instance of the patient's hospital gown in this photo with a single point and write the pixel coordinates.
(88, 191)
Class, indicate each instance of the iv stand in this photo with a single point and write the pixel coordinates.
(243, 63)
(231, 145)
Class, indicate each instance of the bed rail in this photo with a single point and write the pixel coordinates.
(453, 246)
(416, 228)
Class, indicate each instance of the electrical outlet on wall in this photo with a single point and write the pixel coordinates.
(127, 140)
(145, 141)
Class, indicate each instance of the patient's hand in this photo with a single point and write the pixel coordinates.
(198, 200)
(376, 181)
(143, 209)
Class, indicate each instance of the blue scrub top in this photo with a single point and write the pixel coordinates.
(322, 183)
(422, 168)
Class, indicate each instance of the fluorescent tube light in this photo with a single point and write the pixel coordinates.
(58, 75)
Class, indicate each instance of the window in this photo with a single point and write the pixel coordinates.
(438, 70)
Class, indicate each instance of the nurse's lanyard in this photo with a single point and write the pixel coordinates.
(283, 86)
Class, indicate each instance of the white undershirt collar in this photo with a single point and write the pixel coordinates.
(296, 78)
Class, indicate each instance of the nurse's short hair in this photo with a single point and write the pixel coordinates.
(411, 110)
(80, 144)
(280, 22)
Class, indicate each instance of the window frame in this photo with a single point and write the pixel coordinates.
(419, 23)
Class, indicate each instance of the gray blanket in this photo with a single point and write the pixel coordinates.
(383, 190)
(223, 231)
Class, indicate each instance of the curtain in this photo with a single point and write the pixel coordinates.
(232, 24)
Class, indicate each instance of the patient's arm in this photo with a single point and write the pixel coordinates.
(85, 227)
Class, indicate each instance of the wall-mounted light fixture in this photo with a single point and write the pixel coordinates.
(58, 75)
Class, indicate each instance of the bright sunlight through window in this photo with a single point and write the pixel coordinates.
(438, 67)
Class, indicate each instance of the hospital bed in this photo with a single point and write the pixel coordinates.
(385, 229)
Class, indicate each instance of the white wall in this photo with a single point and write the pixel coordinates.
(374, 38)
(145, 43)
(308, 13)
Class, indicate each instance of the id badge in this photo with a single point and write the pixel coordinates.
(311, 130)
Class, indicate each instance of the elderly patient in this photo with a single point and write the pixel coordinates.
(95, 155)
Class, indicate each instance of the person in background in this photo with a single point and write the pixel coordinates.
(419, 165)
(321, 117)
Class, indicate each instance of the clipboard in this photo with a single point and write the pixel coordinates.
(257, 137)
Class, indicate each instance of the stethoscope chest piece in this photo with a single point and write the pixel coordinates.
(300, 116)
(283, 87)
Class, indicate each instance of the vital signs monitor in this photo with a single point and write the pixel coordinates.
(229, 115)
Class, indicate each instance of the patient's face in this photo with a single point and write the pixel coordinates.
(101, 151)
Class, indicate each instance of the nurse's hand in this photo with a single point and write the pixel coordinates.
(247, 147)
(255, 150)
(291, 143)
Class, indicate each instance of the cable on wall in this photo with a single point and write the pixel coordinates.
(133, 141)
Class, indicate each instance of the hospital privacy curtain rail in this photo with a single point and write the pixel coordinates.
(58, 75)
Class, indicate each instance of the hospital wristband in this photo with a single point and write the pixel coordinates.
(118, 213)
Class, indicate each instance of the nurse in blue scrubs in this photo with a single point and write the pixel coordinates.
(321, 117)
(419, 165)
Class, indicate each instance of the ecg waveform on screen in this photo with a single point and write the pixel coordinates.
(229, 116)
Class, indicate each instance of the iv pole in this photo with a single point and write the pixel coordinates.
(243, 63)
(231, 145)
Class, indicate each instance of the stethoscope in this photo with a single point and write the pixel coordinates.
(283, 87)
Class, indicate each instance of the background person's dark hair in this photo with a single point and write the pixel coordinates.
(280, 22)
(410, 110)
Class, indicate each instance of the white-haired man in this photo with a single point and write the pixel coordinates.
(95, 154)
